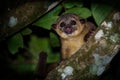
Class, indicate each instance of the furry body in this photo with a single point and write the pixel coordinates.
(72, 31)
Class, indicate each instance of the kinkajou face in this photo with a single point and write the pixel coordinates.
(69, 25)
(73, 31)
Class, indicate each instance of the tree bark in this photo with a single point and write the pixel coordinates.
(93, 59)
(18, 14)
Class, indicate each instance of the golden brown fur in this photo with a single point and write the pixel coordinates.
(72, 31)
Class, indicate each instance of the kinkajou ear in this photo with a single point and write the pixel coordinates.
(83, 20)
(54, 26)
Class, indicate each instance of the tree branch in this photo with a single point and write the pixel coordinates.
(14, 19)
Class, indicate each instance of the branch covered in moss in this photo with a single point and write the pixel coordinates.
(94, 57)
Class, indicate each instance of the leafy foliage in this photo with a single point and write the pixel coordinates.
(70, 7)
(26, 32)
(23, 67)
(15, 43)
(46, 44)
(100, 11)
(71, 4)
(47, 20)
(82, 12)
(54, 40)
(37, 45)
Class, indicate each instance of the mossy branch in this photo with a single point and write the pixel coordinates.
(95, 56)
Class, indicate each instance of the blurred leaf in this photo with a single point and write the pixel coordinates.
(55, 11)
(100, 11)
(78, 4)
(20, 58)
(15, 43)
(54, 40)
(26, 31)
(71, 4)
(23, 67)
(37, 45)
(68, 5)
(46, 22)
(82, 12)
(53, 57)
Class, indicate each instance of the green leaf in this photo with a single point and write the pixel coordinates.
(54, 40)
(82, 12)
(78, 4)
(55, 11)
(68, 5)
(53, 57)
(15, 43)
(100, 11)
(37, 45)
(23, 67)
(71, 3)
(26, 31)
(46, 22)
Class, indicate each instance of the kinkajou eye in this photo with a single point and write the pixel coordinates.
(73, 22)
(82, 21)
(62, 24)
